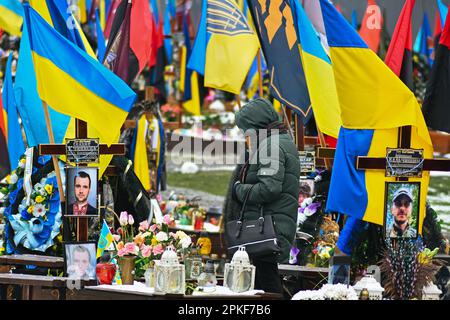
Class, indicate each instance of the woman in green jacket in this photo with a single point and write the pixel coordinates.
(271, 175)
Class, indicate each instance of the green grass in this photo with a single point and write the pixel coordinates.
(214, 182)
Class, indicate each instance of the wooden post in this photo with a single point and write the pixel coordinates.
(51, 138)
(323, 145)
(300, 133)
(287, 122)
(238, 100)
(260, 75)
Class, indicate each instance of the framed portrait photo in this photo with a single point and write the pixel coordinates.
(81, 192)
(80, 260)
(307, 189)
(402, 210)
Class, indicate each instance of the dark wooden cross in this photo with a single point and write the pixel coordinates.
(60, 149)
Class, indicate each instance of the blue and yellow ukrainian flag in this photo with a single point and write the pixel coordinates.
(139, 153)
(105, 239)
(374, 103)
(424, 44)
(188, 77)
(318, 73)
(225, 46)
(169, 14)
(11, 16)
(16, 147)
(73, 82)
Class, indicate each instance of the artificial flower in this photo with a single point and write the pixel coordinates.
(153, 227)
(13, 179)
(167, 219)
(22, 163)
(130, 220)
(146, 251)
(30, 209)
(39, 210)
(123, 220)
(120, 245)
(181, 234)
(139, 240)
(154, 241)
(49, 188)
(131, 248)
(158, 249)
(122, 252)
(116, 237)
(162, 236)
(143, 226)
(39, 199)
(185, 242)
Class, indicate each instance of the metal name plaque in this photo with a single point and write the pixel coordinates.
(307, 161)
(404, 162)
(82, 150)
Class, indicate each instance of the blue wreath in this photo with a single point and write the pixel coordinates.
(33, 233)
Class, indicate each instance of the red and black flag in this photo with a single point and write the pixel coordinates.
(436, 106)
(399, 55)
(130, 43)
(158, 63)
(4, 159)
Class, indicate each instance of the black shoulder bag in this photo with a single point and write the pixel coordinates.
(257, 236)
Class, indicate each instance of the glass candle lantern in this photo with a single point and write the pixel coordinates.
(369, 283)
(239, 273)
(169, 274)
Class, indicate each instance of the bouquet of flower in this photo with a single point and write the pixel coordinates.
(170, 112)
(38, 206)
(150, 241)
(321, 253)
(328, 292)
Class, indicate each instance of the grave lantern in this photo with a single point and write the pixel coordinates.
(169, 274)
(239, 274)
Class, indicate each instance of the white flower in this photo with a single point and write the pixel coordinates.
(162, 236)
(180, 234)
(308, 295)
(306, 202)
(13, 178)
(2, 210)
(21, 164)
(317, 178)
(38, 187)
(39, 210)
(185, 242)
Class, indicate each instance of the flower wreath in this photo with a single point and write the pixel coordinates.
(33, 225)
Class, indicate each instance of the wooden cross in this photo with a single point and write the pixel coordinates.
(60, 149)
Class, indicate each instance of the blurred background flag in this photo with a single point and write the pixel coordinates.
(436, 106)
(16, 146)
(223, 32)
(101, 46)
(105, 239)
(371, 25)
(11, 16)
(367, 90)
(424, 44)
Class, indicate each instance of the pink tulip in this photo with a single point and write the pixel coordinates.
(116, 237)
(167, 219)
(123, 220)
(143, 226)
(130, 220)
(146, 251)
(158, 249)
(172, 235)
(153, 227)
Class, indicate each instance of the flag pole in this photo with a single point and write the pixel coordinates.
(260, 80)
(287, 122)
(323, 145)
(238, 100)
(55, 160)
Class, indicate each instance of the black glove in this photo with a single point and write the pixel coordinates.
(234, 190)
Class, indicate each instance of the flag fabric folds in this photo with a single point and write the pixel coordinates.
(11, 16)
(436, 106)
(399, 55)
(74, 83)
(169, 14)
(319, 74)
(101, 46)
(140, 159)
(222, 33)
(105, 239)
(368, 91)
(5, 168)
(188, 78)
(371, 25)
(280, 48)
(129, 47)
(16, 147)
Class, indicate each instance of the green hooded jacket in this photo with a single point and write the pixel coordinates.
(274, 172)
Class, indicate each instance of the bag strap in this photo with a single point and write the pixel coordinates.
(244, 204)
